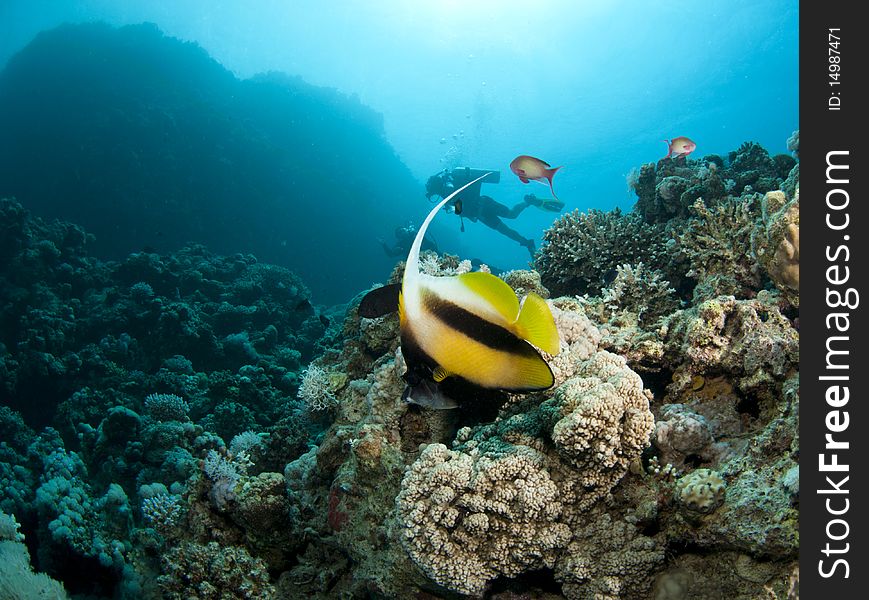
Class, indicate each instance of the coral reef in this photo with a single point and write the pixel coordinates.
(203, 433)
(777, 243)
(641, 291)
(715, 242)
(205, 329)
(581, 249)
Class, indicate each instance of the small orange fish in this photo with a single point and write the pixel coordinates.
(528, 168)
(679, 146)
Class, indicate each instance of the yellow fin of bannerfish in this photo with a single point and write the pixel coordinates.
(439, 374)
(536, 325)
(402, 312)
(495, 291)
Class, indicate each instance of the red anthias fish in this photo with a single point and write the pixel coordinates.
(679, 146)
(528, 168)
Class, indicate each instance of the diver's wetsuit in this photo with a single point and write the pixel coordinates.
(489, 212)
(404, 240)
(476, 207)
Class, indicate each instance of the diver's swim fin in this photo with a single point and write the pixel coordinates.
(552, 205)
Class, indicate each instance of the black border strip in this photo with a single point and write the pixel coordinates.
(834, 227)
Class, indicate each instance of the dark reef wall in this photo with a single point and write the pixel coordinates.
(73, 327)
(146, 141)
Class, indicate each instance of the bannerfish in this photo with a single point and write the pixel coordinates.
(679, 146)
(528, 168)
(469, 326)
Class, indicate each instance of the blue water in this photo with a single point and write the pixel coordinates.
(594, 86)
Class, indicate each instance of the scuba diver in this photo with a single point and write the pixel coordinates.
(487, 210)
(404, 240)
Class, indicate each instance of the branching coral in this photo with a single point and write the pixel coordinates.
(581, 249)
(162, 512)
(166, 407)
(717, 243)
(642, 291)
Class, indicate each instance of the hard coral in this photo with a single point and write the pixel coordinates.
(641, 291)
(715, 242)
(469, 518)
(666, 191)
(751, 166)
(509, 496)
(166, 407)
(608, 560)
(680, 433)
(211, 571)
(581, 249)
(751, 340)
(701, 490)
(777, 243)
(604, 423)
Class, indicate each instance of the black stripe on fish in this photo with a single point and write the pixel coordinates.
(475, 327)
(414, 355)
